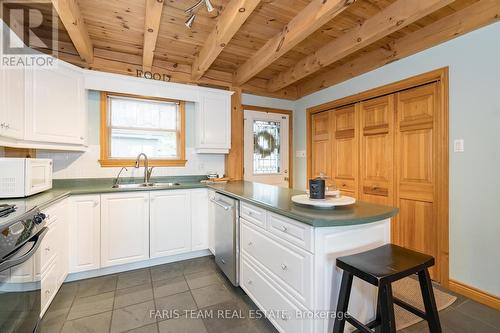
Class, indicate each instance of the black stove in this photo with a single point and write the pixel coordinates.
(21, 233)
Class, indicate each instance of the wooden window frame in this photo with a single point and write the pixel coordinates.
(105, 161)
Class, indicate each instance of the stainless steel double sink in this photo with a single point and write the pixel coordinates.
(145, 185)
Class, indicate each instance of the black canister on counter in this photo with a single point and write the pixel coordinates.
(317, 188)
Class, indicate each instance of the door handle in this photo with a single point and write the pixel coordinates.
(220, 204)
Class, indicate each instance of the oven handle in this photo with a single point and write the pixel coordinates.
(14, 262)
(218, 203)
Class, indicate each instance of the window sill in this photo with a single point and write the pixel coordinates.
(152, 163)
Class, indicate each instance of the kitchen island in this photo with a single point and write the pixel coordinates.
(288, 253)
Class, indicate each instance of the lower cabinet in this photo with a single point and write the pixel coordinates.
(211, 221)
(170, 222)
(124, 228)
(85, 233)
(199, 220)
(53, 255)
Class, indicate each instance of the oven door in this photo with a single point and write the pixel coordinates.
(38, 175)
(20, 294)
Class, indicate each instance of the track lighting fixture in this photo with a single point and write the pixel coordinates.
(191, 11)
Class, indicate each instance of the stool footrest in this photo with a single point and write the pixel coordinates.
(362, 328)
(410, 308)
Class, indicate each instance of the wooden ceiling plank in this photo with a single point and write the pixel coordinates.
(229, 22)
(73, 21)
(473, 17)
(306, 22)
(393, 18)
(154, 9)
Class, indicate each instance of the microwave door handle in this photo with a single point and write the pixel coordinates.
(14, 262)
(220, 204)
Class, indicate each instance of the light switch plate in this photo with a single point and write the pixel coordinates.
(300, 153)
(458, 146)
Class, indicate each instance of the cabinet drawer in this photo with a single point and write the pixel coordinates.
(293, 267)
(281, 311)
(48, 248)
(295, 232)
(253, 214)
(49, 285)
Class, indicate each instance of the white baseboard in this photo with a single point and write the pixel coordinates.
(135, 265)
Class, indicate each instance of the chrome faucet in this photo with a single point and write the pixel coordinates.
(147, 169)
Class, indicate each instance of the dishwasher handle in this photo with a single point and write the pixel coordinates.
(218, 203)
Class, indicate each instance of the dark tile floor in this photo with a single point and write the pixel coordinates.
(127, 302)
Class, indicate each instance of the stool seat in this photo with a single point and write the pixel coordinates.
(385, 264)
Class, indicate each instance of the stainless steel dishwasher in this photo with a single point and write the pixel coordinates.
(226, 236)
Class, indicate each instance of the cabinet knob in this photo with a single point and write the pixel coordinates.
(250, 281)
(284, 267)
(81, 138)
(250, 243)
(285, 229)
(47, 249)
(2, 125)
(47, 291)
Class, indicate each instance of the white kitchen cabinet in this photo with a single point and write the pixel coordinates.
(55, 110)
(170, 222)
(199, 219)
(211, 221)
(124, 227)
(12, 83)
(213, 122)
(85, 233)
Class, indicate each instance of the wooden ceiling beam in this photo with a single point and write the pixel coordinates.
(152, 21)
(310, 19)
(229, 22)
(393, 18)
(73, 21)
(473, 17)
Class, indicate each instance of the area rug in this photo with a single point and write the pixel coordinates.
(408, 290)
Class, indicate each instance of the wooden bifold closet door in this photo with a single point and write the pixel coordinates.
(385, 150)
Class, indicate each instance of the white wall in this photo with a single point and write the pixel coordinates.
(474, 64)
(86, 165)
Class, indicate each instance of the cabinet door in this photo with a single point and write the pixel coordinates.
(199, 219)
(85, 233)
(213, 122)
(62, 240)
(321, 146)
(124, 228)
(416, 152)
(56, 105)
(170, 223)
(345, 149)
(377, 150)
(12, 102)
(211, 221)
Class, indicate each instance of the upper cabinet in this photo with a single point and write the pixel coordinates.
(213, 122)
(55, 110)
(12, 83)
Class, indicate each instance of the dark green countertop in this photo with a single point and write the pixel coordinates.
(273, 198)
(278, 200)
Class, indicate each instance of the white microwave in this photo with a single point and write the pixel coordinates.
(22, 177)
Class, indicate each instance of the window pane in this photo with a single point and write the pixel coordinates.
(130, 143)
(133, 113)
(266, 157)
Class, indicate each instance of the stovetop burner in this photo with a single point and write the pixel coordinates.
(6, 209)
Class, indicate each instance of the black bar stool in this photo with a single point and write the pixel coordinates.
(381, 267)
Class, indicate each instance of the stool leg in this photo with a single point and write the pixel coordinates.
(378, 316)
(387, 310)
(429, 301)
(343, 302)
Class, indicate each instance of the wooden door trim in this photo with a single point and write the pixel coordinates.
(290, 133)
(441, 77)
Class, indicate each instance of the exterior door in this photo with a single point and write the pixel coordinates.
(377, 150)
(345, 150)
(416, 152)
(266, 143)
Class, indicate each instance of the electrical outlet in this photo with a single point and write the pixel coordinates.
(458, 146)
